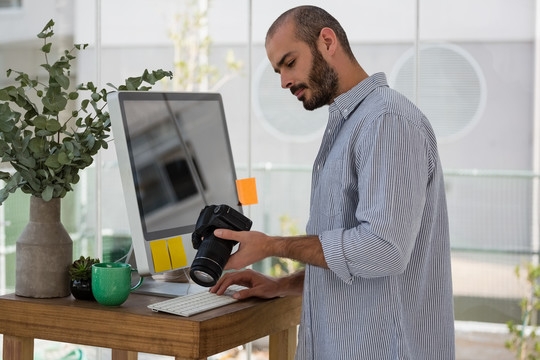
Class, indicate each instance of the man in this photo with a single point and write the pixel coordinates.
(377, 283)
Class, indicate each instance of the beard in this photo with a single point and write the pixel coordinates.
(323, 82)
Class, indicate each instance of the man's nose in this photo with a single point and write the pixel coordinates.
(285, 82)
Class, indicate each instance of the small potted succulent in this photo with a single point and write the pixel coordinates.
(80, 273)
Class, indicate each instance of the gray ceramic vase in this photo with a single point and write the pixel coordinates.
(44, 252)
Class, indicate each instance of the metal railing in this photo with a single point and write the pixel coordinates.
(492, 220)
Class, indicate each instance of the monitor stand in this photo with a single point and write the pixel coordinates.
(151, 286)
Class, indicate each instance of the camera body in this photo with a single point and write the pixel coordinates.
(213, 252)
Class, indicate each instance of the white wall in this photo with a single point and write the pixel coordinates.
(20, 25)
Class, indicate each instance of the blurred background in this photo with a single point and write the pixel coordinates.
(471, 65)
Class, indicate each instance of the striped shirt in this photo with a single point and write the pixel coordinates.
(379, 209)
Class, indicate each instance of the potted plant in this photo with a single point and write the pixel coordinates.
(80, 273)
(49, 130)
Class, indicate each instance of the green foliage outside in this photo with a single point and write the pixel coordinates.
(524, 341)
(192, 71)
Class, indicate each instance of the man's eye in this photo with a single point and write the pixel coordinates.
(290, 63)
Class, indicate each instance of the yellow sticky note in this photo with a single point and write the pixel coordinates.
(176, 252)
(247, 191)
(160, 255)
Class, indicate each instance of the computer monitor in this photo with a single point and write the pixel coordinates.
(174, 158)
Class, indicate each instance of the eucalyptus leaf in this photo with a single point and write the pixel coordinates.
(133, 83)
(54, 102)
(7, 118)
(33, 182)
(90, 141)
(37, 146)
(69, 146)
(84, 104)
(3, 195)
(49, 25)
(14, 182)
(63, 158)
(43, 133)
(6, 125)
(26, 161)
(47, 194)
(5, 93)
(46, 48)
(52, 162)
(63, 80)
(4, 147)
(25, 142)
(40, 122)
(42, 174)
(53, 125)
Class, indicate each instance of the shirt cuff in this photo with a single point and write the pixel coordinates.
(332, 245)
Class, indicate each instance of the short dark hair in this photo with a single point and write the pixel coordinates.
(309, 21)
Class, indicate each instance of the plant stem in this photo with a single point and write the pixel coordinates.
(46, 57)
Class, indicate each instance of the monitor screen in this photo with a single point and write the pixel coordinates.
(174, 158)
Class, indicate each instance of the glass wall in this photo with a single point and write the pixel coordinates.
(471, 66)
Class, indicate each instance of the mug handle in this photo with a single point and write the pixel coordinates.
(138, 284)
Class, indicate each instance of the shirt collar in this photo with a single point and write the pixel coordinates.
(347, 102)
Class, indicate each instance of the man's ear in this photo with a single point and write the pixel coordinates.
(328, 40)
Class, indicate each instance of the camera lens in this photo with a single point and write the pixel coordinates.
(211, 257)
(203, 277)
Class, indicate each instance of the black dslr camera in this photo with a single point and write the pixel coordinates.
(213, 252)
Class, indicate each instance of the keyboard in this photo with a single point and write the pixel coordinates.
(192, 304)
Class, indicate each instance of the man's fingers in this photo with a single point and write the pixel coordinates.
(221, 286)
(227, 234)
(243, 294)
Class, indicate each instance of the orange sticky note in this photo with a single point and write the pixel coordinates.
(247, 191)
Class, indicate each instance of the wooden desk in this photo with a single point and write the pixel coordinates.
(132, 327)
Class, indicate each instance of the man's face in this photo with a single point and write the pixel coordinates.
(304, 72)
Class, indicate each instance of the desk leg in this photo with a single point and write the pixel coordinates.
(18, 348)
(283, 344)
(124, 355)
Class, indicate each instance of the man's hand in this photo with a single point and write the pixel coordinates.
(260, 285)
(253, 246)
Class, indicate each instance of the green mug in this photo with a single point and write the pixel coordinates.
(111, 283)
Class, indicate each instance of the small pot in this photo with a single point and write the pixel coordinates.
(82, 289)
